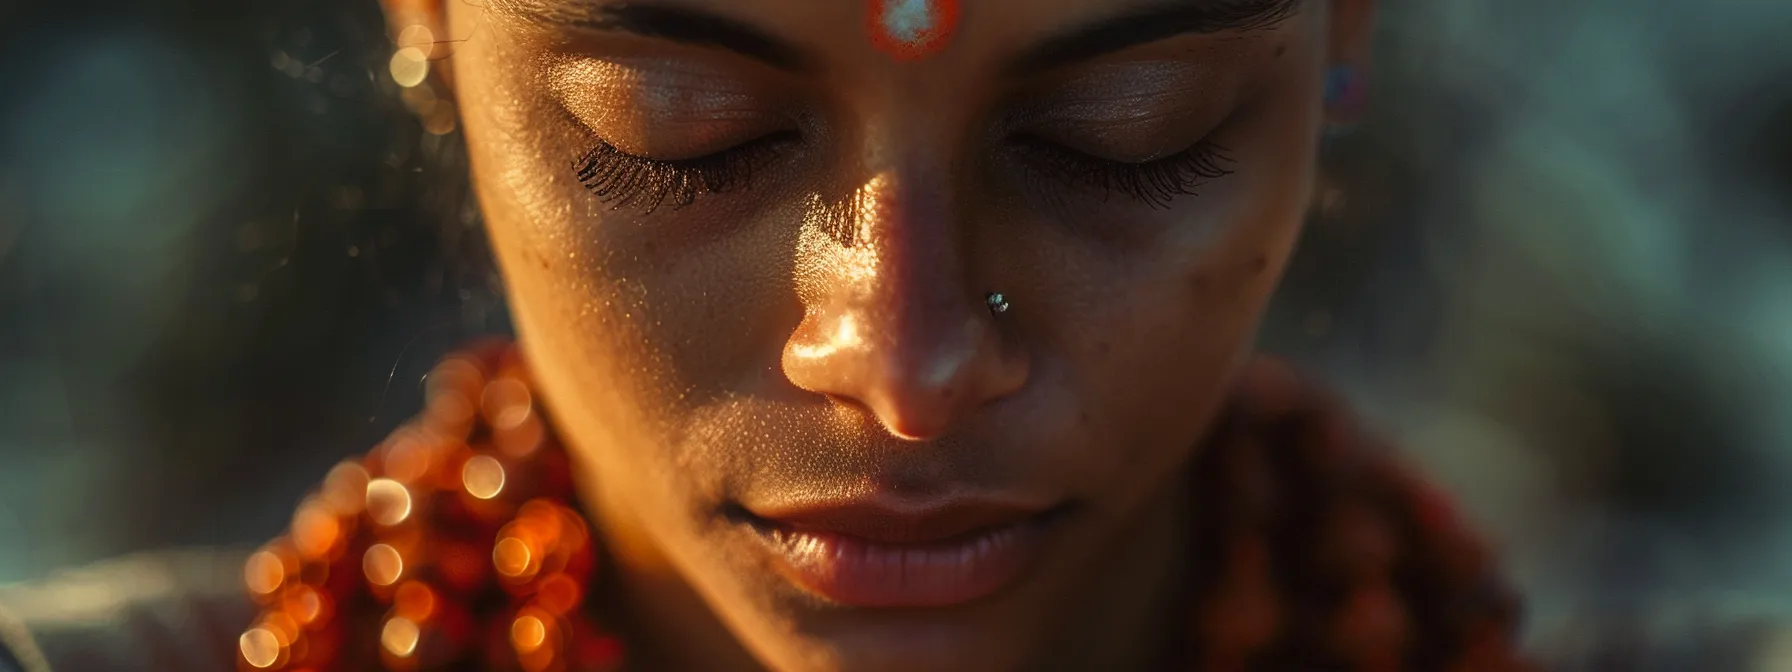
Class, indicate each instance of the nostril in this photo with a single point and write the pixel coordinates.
(910, 428)
(843, 400)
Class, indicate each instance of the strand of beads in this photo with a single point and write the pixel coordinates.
(1319, 549)
(451, 544)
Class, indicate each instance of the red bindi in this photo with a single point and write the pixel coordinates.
(911, 29)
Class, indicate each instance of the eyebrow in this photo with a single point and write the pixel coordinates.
(1147, 24)
(665, 22)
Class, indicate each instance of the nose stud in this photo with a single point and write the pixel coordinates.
(997, 303)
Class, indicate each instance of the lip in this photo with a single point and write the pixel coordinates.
(871, 553)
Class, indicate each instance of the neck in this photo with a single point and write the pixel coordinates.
(1129, 616)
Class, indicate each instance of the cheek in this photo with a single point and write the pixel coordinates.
(581, 278)
(1161, 364)
(1152, 342)
(645, 320)
(568, 314)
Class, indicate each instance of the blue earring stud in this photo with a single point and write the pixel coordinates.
(1344, 88)
(1346, 94)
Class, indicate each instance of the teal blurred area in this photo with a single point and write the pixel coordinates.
(1556, 261)
(211, 259)
(1577, 307)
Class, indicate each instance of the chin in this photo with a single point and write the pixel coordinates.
(901, 641)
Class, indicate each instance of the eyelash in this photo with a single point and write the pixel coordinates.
(1155, 183)
(620, 179)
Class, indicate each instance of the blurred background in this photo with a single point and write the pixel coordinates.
(1556, 262)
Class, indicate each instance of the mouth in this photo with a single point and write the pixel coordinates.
(872, 553)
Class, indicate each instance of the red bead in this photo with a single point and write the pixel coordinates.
(595, 650)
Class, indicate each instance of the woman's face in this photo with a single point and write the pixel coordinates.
(748, 253)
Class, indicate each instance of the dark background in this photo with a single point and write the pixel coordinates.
(187, 337)
(1558, 265)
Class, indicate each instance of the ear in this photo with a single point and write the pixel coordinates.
(422, 24)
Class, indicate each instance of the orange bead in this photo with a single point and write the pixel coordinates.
(415, 601)
(410, 455)
(451, 394)
(269, 569)
(539, 639)
(389, 502)
(317, 532)
(542, 514)
(424, 524)
(506, 403)
(528, 633)
(306, 605)
(345, 488)
(482, 476)
(400, 642)
(521, 440)
(383, 565)
(559, 594)
(475, 512)
(259, 648)
(576, 534)
(516, 558)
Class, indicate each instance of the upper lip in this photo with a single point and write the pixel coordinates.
(897, 522)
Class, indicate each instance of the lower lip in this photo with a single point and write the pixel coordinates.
(863, 573)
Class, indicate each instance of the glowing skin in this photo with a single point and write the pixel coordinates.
(820, 338)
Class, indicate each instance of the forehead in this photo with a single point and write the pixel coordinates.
(944, 36)
(964, 29)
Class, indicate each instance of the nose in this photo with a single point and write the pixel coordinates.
(894, 320)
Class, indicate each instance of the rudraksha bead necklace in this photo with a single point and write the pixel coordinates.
(455, 544)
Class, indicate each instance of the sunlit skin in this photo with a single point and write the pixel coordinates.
(822, 332)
